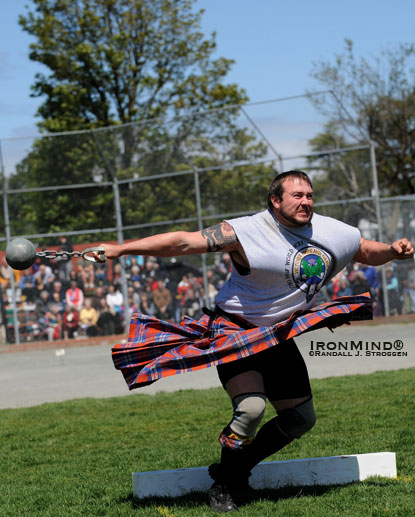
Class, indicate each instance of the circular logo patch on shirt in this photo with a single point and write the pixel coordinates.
(310, 266)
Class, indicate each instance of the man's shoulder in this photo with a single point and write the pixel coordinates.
(326, 220)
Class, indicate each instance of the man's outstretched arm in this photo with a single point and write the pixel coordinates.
(376, 253)
(220, 237)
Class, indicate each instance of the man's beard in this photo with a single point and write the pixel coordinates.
(291, 219)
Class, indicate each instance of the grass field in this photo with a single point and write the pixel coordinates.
(76, 458)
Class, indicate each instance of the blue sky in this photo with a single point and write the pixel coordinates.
(273, 42)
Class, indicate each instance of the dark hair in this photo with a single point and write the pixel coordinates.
(276, 188)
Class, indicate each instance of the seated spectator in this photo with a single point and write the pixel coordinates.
(74, 296)
(75, 277)
(135, 275)
(146, 304)
(57, 287)
(56, 300)
(101, 277)
(98, 296)
(117, 276)
(25, 279)
(45, 273)
(42, 307)
(87, 274)
(5, 273)
(27, 286)
(212, 291)
(53, 323)
(192, 304)
(39, 287)
(106, 320)
(114, 298)
(136, 296)
(150, 271)
(88, 318)
(344, 288)
(70, 322)
(358, 281)
(224, 267)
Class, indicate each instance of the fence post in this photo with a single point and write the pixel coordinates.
(7, 229)
(200, 223)
(119, 226)
(379, 221)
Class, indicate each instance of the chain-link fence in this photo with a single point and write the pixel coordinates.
(126, 182)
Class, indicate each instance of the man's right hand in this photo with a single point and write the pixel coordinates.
(112, 251)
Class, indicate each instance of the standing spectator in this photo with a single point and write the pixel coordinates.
(409, 289)
(88, 318)
(70, 322)
(74, 297)
(65, 261)
(392, 286)
(162, 300)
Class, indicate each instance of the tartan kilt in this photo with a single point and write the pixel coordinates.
(157, 348)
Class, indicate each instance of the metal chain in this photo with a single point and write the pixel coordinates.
(51, 254)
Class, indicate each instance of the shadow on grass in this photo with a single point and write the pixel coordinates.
(201, 498)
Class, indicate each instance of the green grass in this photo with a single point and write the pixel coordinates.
(76, 458)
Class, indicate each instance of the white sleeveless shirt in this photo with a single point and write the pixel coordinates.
(287, 266)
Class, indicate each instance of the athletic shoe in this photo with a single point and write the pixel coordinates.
(220, 499)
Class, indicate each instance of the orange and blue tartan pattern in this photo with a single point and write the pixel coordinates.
(157, 348)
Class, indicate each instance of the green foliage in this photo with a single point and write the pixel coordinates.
(118, 61)
(76, 458)
(379, 94)
(144, 68)
(341, 176)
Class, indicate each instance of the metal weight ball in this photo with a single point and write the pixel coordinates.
(20, 253)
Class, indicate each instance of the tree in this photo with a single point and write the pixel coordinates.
(144, 68)
(380, 96)
(341, 176)
(117, 61)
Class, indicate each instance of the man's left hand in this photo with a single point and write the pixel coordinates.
(402, 249)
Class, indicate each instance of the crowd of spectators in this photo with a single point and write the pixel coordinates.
(359, 278)
(67, 298)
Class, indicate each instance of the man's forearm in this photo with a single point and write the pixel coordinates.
(376, 253)
(163, 245)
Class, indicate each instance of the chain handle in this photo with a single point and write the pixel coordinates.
(51, 254)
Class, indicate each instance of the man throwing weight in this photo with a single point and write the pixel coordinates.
(281, 258)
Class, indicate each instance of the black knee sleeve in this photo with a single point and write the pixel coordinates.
(298, 420)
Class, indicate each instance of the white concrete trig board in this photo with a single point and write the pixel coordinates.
(330, 470)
